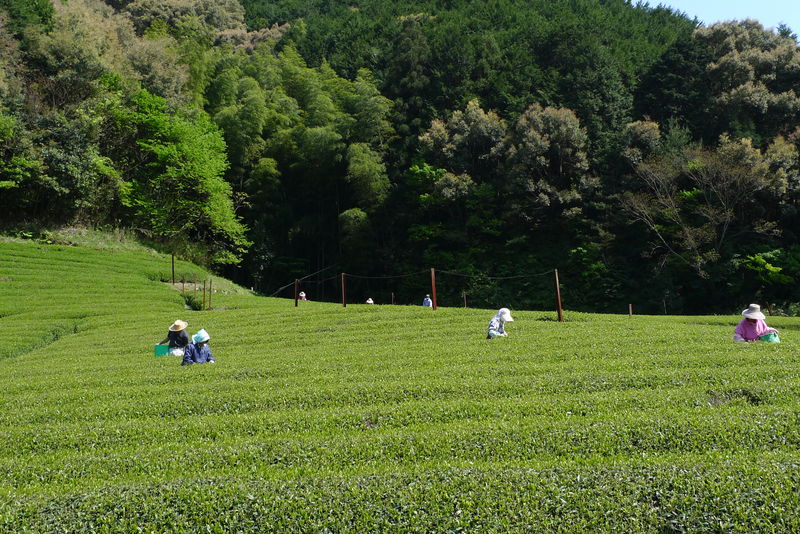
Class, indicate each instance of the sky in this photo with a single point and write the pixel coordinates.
(769, 13)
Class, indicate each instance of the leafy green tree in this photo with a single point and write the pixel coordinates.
(547, 159)
(24, 13)
(697, 203)
(217, 14)
(676, 87)
(753, 78)
(173, 167)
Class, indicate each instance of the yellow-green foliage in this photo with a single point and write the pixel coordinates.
(376, 418)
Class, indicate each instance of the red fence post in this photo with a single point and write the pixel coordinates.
(558, 297)
(344, 292)
(296, 287)
(433, 287)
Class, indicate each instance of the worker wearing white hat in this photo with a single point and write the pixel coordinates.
(498, 322)
(198, 351)
(753, 328)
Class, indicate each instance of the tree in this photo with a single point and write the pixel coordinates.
(691, 202)
(173, 167)
(547, 159)
(753, 77)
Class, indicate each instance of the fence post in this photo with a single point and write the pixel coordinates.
(433, 287)
(296, 287)
(630, 310)
(183, 285)
(195, 290)
(465, 298)
(173, 269)
(558, 297)
(204, 294)
(392, 297)
(344, 292)
(209, 293)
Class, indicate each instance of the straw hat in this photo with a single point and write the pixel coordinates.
(505, 315)
(201, 336)
(753, 312)
(178, 325)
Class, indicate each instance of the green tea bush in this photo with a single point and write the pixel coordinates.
(376, 418)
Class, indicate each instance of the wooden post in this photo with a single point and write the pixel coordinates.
(664, 302)
(558, 297)
(392, 297)
(183, 285)
(296, 288)
(209, 293)
(630, 310)
(465, 298)
(204, 295)
(344, 292)
(195, 289)
(433, 287)
(173, 269)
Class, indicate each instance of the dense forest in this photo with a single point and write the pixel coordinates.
(650, 159)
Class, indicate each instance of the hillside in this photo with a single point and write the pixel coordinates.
(376, 418)
(651, 159)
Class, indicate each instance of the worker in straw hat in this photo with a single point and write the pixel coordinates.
(198, 350)
(177, 337)
(753, 327)
(498, 323)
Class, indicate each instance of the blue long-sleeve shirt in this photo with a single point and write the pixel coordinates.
(197, 354)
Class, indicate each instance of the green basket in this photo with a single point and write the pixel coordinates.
(161, 350)
(770, 337)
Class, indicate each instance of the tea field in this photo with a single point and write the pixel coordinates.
(376, 418)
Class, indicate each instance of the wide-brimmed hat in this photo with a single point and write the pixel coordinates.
(302, 294)
(201, 336)
(753, 312)
(505, 315)
(178, 325)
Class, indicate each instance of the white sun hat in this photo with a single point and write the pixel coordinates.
(178, 325)
(505, 315)
(201, 336)
(753, 312)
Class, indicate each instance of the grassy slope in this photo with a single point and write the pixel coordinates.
(377, 418)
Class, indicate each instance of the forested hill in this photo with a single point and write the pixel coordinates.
(650, 160)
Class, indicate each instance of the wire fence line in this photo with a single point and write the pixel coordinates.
(406, 275)
(384, 277)
(399, 276)
(338, 284)
(516, 277)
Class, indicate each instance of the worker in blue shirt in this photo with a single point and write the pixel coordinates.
(198, 351)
